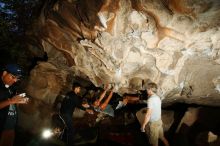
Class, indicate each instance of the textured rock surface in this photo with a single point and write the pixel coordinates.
(190, 117)
(129, 42)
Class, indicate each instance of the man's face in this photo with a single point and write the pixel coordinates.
(8, 78)
(149, 91)
(77, 90)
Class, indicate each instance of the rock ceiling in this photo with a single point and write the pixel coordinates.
(175, 43)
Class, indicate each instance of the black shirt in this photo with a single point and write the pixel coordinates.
(70, 102)
(6, 93)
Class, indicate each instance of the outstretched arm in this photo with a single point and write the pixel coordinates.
(4, 103)
(14, 100)
(132, 99)
(104, 105)
(97, 102)
(86, 107)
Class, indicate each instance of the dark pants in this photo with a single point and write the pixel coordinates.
(7, 138)
(69, 132)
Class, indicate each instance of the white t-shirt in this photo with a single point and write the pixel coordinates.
(154, 103)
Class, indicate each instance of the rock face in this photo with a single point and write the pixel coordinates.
(198, 126)
(130, 42)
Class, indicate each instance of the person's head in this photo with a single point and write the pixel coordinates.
(11, 74)
(76, 88)
(151, 88)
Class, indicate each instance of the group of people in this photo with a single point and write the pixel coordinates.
(70, 102)
(151, 125)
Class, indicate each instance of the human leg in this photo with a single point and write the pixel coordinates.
(153, 132)
(7, 138)
(69, 130)
(165, 141)
(162, 137)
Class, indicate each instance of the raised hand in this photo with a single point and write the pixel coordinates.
(106, 87)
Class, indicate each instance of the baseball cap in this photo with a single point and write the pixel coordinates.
(15, 70)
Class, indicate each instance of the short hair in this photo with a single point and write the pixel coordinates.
(75, 85)
(152, 86)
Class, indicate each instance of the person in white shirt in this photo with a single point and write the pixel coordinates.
(152, 124)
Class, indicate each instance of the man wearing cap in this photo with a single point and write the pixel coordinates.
(8, 100)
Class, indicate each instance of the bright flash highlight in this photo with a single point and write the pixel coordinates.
(47, 133)
(118, 75)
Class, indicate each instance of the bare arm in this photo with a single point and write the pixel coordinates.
(97, 102)
(4, 103)
(102, 95)
(86, 106)
(14, 100)
(146, 119)
(132, 99)
(103, 106)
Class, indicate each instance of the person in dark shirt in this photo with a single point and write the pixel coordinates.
(68, 105)
(8, 100)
